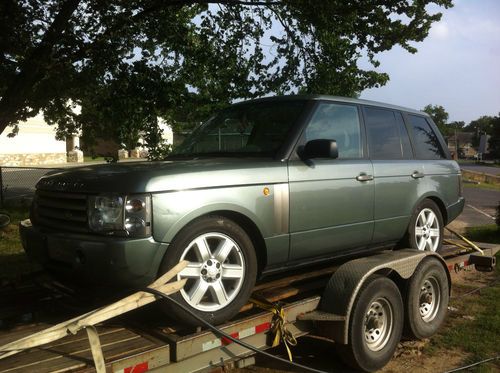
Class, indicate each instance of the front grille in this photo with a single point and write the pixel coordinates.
(61, 210)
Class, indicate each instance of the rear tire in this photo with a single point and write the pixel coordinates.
(375, 325)
(425, 231)
(427, 297)
(221, 271)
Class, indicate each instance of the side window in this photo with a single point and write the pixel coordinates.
(384, 134)
(337, 122)
(427, 145)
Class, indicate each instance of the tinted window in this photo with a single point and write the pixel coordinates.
(385, 140)
(340, 123)
(427, 144)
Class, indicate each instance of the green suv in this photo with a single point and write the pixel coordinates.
(263, 186)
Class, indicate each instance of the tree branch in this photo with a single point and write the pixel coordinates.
(33, 67)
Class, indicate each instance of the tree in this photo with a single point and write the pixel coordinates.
(125, 61)
(494, 142)
(457, 125)
(484, 125)
(440, 117)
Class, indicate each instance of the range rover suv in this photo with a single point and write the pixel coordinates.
(263, 186)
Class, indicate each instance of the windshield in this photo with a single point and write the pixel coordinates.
(257, 129)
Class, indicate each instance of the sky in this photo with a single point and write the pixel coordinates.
(457, 66)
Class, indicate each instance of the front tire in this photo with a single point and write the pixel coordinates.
(221, 271)
(375, 325)
(425, 231)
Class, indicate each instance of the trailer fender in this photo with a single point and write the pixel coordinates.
(343, 287)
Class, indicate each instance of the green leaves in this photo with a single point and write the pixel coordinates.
(440, 116)
(126, 61)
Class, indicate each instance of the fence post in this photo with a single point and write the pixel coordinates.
(1, 187)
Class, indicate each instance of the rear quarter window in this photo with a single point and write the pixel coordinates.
(426, 142)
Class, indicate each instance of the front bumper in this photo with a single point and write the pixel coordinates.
(93, 260)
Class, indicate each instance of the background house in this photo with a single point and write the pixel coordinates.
(35, 144)
(462, 142)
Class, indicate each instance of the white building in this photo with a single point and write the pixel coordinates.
(35, 144)
(168, 133)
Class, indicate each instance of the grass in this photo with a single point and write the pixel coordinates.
(13, 261)
(470, 161)
(474, 326)
(88, 158)
(485, 233)
(487, 186)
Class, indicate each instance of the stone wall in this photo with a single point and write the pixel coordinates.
(34, 159)
(481, 177)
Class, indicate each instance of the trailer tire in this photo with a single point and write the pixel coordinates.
(221, 273)
(375, 325)
(426, 300)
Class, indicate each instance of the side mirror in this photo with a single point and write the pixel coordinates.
(320, 148)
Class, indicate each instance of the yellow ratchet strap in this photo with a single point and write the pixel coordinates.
(454, 243)
(470, 243)
(281, 333)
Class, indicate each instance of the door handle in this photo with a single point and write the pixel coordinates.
(417, 175)
(364, 177)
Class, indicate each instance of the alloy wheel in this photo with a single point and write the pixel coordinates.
(215, 272)
(427, 233)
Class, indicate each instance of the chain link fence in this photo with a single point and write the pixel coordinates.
(18, 183)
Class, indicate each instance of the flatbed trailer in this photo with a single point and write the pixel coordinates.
(145, 341)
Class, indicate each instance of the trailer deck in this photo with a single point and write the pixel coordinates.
(144, 340)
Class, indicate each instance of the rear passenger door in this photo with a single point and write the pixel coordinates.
(441, 173)
(331, 200)
(398, 176)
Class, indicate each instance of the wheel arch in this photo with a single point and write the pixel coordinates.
(241, 218)
(438, 201)
(253, 232)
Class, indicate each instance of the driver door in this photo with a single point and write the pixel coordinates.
(331, 200)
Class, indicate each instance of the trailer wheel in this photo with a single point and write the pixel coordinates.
(221, 271)
(427, 297)
(375, 325)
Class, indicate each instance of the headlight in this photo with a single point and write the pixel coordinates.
(111, 213)
(105, 213)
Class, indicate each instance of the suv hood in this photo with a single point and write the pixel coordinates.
(140, 177)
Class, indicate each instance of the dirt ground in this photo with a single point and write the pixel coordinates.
(410, 356)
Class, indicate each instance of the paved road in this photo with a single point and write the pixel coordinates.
(20, 182)
(480, 208)
(481, 168)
